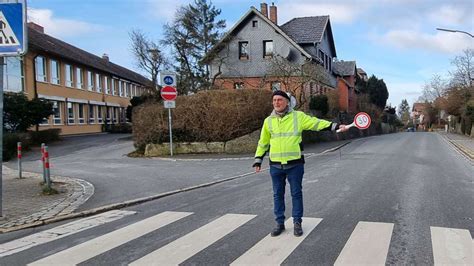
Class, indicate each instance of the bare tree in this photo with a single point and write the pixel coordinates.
(294, 76)
(147, 54)
(464, 72)
(435, 88)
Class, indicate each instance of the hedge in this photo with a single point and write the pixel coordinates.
(215, 115)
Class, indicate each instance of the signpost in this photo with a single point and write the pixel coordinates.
(13, 42)
(169, 94)
(361, 121)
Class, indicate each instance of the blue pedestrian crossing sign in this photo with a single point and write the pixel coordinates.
(12, 29)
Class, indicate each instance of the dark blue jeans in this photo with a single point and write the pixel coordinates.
(295, 178)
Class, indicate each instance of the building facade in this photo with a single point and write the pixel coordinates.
(88, 92)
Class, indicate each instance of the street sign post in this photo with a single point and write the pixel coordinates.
(361, 121)
(169, 94)
(13, 42)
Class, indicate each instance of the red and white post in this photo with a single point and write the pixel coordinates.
(18, 148)
(46, 167)
(42, 162)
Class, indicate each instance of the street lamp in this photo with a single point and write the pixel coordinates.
(448, 30)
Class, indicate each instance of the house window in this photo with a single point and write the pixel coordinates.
(243, 50)
(112, 86)
(120, 85)
(55, 74)
(276, 86)
(13, 75)
(90, 81)
(255, 24)
(80, 113)
(69, 75)
(40, 65)
(114, 115)
(239, 85)
(100, 115)
(267, 49)
(79, 78)
(108, 115)
(98, 82)
(91, 114)
(321, 56)
(57, 120)
(326, 62)
(330, 63)
(106, 84)
(70, 113)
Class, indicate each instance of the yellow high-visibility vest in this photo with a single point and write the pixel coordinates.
(283, 135)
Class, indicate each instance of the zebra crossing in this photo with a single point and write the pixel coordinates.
(368, 243)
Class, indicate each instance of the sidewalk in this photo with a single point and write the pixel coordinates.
(463, 143)
(23, 202)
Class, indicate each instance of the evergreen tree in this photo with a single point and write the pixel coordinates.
(377, 91)
(20, 114)
(404, 111)
(192, 34)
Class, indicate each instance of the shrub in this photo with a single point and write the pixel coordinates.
(216, 115)
(10, 141)
(120, 128)
(44, 136)
(19, 113)
(319, 103)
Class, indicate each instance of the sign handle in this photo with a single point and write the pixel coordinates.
(348, 126)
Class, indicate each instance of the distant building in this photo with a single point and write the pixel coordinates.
(346, 72)
(87, 91)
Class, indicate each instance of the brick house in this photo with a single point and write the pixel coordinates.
(243, 57)
(87, 91)
(346, 72)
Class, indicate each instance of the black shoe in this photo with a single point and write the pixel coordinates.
(278, 229)
(298, 231)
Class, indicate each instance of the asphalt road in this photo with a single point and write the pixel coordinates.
(411, 181)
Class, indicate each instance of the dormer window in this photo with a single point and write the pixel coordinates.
(243, 50)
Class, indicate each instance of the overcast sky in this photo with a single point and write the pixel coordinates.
(396, 40)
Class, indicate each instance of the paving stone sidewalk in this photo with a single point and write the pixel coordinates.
(23, 202)
(464, 143)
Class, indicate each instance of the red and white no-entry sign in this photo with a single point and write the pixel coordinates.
(362, 120)
(169, 93)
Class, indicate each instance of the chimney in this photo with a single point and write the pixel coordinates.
(105, 57)
(36, 27)
(264, 9)
(273, 14)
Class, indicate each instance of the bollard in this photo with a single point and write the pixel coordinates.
(42, 162)
(18, 146)
(46, 167)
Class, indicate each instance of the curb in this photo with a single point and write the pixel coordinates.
(143, 199)
(460, 148)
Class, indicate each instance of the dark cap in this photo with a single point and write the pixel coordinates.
(281, 93)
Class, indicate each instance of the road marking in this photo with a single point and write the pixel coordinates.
(61, 231)
(99, 245)
(187, 246)
(452, 246)
(368, 244)
(274, 250)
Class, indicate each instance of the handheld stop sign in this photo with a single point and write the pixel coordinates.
(361, 121)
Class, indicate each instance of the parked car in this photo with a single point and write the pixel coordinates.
(410, 129)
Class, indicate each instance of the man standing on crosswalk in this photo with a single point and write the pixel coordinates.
(281, 136)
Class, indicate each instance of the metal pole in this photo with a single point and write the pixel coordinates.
(171, 131)
(1, 135)
(46, 166)
(42, 162)
(18, 145)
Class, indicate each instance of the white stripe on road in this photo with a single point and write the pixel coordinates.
(368, 244)
(187, 246)
(274, 250)
(99, 245)
(452, 246)
(61, 231)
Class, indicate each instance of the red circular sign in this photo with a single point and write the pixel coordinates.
(362, 120)
(169, 93)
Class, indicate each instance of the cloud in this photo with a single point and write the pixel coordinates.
(60, 27)
(448, 15)
(403, 90)
(439, 42)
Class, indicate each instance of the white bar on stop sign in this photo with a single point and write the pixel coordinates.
(168, 93)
